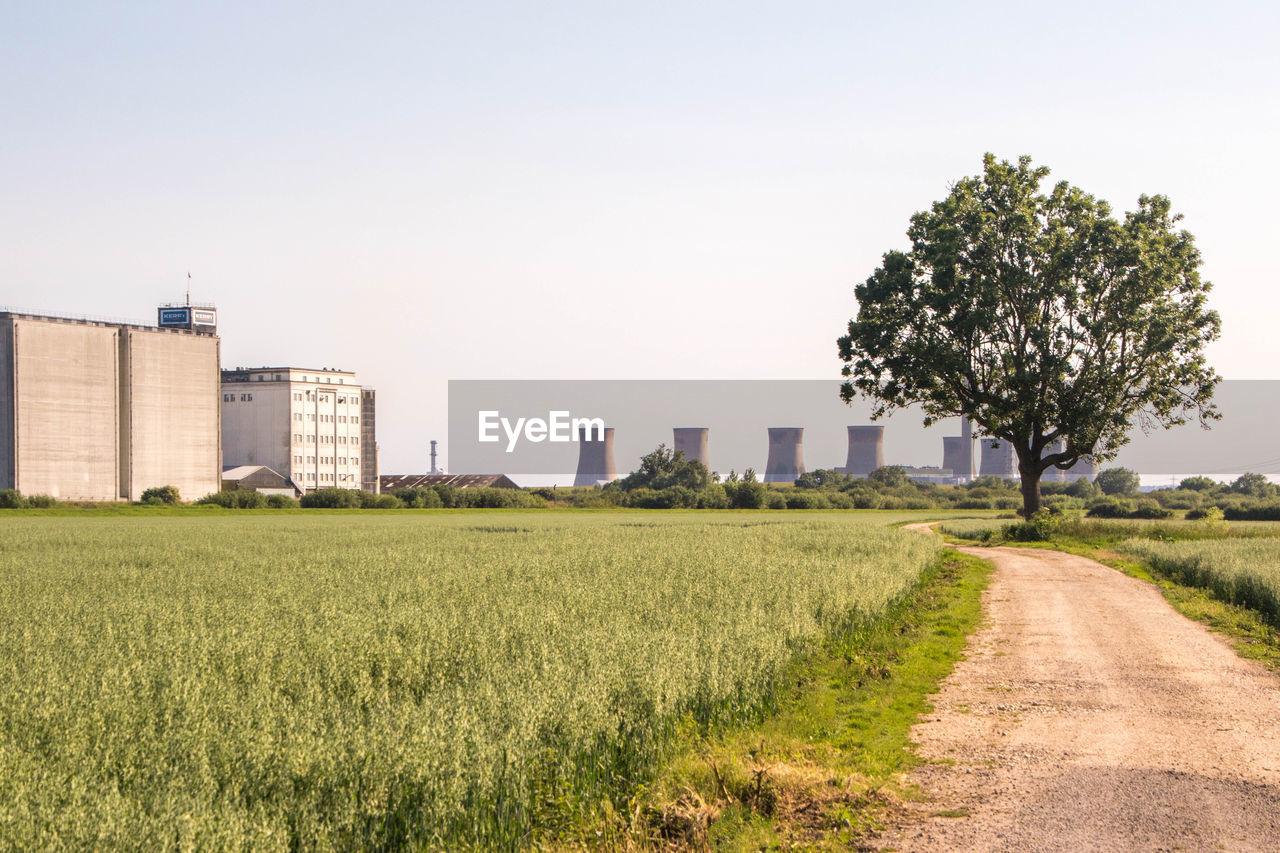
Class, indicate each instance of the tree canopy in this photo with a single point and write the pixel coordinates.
(1041, 317)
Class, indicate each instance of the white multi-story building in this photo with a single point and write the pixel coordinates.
(313, 426)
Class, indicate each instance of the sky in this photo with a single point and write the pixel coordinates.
(429, 191)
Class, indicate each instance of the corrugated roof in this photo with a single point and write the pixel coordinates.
(390, 482)
(241, 471)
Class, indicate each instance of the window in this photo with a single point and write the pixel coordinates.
(297, 438)
(311, 439)
(311, 416)
(355, 420)
(297, 416)
(246, 398)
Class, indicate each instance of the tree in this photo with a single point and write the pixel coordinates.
(1118, 481)
(1254, 485)
(1039, 316)
(1198, 484)
(663, 468)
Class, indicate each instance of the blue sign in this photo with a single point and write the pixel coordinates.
(175, 316)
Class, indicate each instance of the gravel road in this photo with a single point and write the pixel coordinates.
(1089, 715)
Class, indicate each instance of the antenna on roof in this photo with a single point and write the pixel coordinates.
(188, 289)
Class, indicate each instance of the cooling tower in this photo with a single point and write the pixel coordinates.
(595, 458)
(1082, 470)
(866, 450)
(1055, 474)
(786, 455)
(965, 471)
(692, 442)
(998, 459)
(954, 457)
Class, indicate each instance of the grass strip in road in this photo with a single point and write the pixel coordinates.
(818, 773)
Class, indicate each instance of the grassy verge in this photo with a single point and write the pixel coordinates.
(818, 772)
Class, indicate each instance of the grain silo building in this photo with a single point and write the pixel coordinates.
(101, 411)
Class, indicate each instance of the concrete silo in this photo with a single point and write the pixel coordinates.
(595, 458)
(998, 459)
(866, 450)
(786, 455)
(692, 442)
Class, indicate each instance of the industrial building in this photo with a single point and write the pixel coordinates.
(101, 411)
(317, 425)
(391, 482)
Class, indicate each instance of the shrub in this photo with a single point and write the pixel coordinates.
(746, 494)
(157, 495)
(892, 476)
(332, 498)
(41, 501)
(1269, 511)
(866, 500)
(775, 500)
(12, 499)
(1039, 528)
(368, 500)
(419, 497)
(281, 502)
(839, 500)
(1114, 507)
(806, 500)
(1118, 481)
(713, 497)
(234, 499)
(974, 503)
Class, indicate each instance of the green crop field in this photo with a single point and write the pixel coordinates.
(1239, 570)
(310, 680)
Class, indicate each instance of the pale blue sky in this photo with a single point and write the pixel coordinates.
(424, 191)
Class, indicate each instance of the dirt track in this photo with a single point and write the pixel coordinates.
(1089, 715)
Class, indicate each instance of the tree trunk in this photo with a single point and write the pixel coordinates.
(1030, 492)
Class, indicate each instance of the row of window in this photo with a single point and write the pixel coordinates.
(328, 460)
(327, 439)
(231, 398)
(311, 397)
(348, 480)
